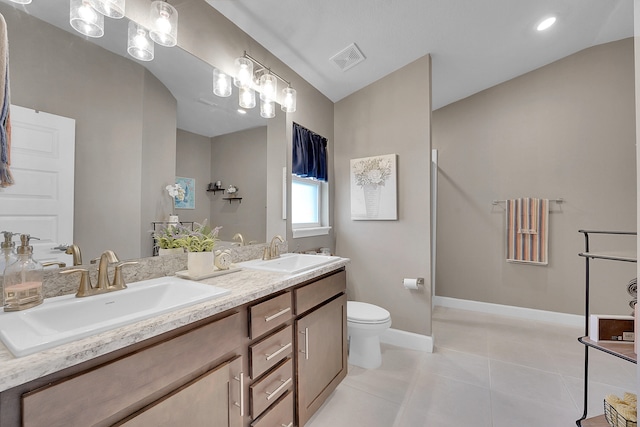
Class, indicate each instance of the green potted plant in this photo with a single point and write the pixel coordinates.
(199, 244)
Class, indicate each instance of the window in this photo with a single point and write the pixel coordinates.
(306, 203)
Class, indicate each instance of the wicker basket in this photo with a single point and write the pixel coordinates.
(615, 419)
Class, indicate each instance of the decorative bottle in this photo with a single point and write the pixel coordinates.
(23, 279)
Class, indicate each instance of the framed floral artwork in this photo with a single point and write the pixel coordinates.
(374, 188)
(188, 200)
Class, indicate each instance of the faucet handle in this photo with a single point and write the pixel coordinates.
(85, 287)
(118, 280)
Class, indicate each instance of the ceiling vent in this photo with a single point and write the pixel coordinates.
(348, 57)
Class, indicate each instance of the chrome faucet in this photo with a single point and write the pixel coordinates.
(238, 236)
(86, 289)
(272, 252)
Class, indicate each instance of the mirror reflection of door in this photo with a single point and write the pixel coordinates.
(40, 202)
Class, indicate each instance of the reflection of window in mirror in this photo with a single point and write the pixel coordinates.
(306, 202)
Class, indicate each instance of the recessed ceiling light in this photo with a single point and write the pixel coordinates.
(546, 23)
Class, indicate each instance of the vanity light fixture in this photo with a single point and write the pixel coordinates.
(139, 44)
(221, 83)
(111, 8)
(546, 23)
(85, 19)
(164, 23)
(266, 81)
(247, 97)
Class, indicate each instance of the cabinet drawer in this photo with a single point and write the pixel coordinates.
(267, 390)
(318, 292)
(269, 314)
(267, 353)
(280, 415)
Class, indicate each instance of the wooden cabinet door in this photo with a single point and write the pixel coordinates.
(321, 360)
(200, 403)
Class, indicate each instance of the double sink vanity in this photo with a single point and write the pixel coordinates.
(263, 347)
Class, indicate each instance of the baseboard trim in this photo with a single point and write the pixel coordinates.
(408, 340)
(508, 310)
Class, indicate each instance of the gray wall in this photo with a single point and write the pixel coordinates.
(565, 130)
(54, 71)
(240, 158)
(193, 154)
(389, 116)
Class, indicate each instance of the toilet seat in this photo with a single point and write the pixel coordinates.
(364, 313)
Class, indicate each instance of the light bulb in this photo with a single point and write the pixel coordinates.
(221, 83)
(164, 18)
(267, 109)
(85, 20)
(247, 97)
(139, 45)
(244, 72)
(268, 87)
(289, 101)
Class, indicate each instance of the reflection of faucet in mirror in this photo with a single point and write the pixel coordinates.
(74, 250)
(238, 236)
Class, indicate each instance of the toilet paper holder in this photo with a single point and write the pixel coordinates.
(413, 284)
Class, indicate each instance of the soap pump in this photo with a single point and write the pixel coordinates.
(23, 279)
(7, 250)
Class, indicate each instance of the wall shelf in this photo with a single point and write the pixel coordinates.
(231, 199)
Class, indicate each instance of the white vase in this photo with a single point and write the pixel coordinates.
(170, 251)
(372, 199)
(200, 263)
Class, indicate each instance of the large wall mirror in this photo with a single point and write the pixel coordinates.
(138, 125)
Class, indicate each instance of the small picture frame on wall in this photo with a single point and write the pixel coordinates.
(374, 188)
(189, 200)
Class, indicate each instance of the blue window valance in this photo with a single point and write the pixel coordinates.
(309, 154)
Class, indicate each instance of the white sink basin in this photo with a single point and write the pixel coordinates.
(64, 319)
(290, 263)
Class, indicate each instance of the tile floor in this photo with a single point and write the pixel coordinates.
(486, 371)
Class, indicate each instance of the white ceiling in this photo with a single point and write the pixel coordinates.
(474, 44)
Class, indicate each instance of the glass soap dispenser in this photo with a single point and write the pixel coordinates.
(7, 250)
(23, 279)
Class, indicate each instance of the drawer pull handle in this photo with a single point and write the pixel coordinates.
(306, 343)
(282, 348)
(287, 425)
(240, 379)
(278, 314)
(285, 383)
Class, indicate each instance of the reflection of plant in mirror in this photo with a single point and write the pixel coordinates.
(201, 239)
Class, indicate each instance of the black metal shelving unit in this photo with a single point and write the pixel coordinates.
(623, 351)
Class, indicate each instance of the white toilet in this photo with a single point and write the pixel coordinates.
(365, 323)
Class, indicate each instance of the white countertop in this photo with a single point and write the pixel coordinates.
(246, 286)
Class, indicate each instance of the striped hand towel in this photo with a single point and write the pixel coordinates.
(528, 230)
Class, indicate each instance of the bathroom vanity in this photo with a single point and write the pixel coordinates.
(268, 354)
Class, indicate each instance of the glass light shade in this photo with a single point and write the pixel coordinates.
(139, 44)
(267, 108)
(289, 100)
(247, 97)
(21, 1)
(221, 83)
(268, 87)
(244, 72)
(110, 8)
(85, 19)
(164, 23)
